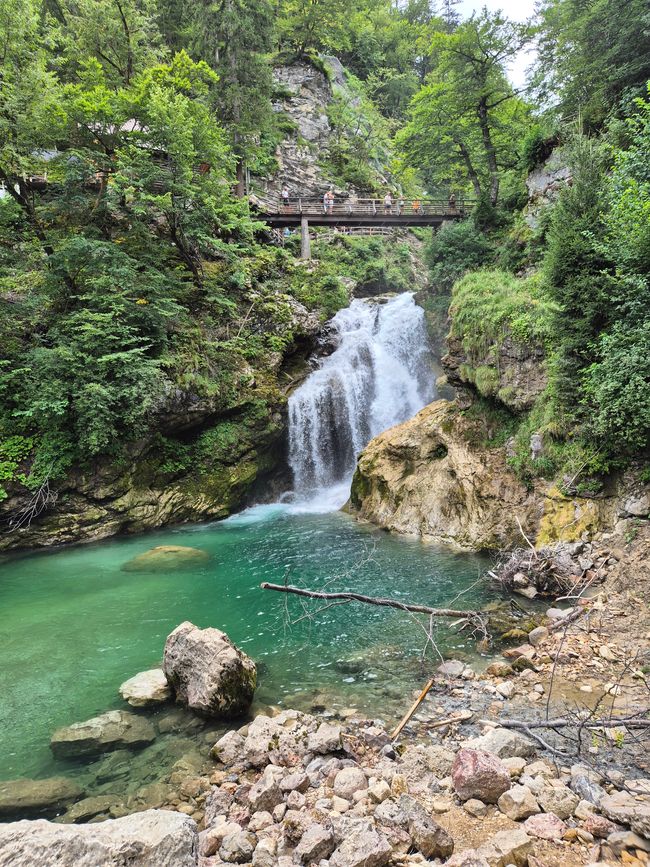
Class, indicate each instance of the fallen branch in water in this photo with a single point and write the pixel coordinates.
(373, 600)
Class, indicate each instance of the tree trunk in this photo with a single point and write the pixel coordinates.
(471, 171)
(490, 152)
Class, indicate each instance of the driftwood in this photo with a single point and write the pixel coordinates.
(416, 704)
(373, 600)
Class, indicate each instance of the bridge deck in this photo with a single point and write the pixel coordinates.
(363, 212)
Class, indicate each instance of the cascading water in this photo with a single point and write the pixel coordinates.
(379, 375)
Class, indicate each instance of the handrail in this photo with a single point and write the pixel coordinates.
(352, 207)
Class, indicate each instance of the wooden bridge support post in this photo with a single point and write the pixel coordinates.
(305, 244)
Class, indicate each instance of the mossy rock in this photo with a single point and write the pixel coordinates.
(522, 662)
(166, 558)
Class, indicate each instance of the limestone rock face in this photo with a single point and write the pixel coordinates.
(545, 184)
(164, 558)
(148, 839)
(114, 730)
(423, 478)
(207, 672)
(146, 688)
(37, 797)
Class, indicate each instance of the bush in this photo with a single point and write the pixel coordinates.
(455, 249)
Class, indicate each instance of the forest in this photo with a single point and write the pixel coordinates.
(130, 260)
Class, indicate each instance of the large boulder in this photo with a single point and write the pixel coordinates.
(21, 798)
(146, 688)
(149, 839)
(504, 744)
(114, 730)
(166, 558)
(477, 774)
(208, 673)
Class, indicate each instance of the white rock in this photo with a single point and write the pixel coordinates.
(518, 803)
(348, 781)
(146, 688)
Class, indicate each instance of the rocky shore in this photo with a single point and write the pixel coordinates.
(476, 777)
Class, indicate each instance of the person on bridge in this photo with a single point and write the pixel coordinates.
(416, 206)
(388, 203)
(400, 206)
(452, 202)
(328, 202)
(285, 196)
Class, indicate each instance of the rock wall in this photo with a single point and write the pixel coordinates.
(424, 478)
(545, 184)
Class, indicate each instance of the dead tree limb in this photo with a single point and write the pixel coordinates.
(373, 600)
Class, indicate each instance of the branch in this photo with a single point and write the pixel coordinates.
(371, 600)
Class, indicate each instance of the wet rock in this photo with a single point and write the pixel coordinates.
(348, 781)
(165, 558)
(518, 803)
(146, 688)
(363, 848)
(546, 826)
(559, 800)
(88, 808)
(238, 848)
(451, 668)
(479, 774)
(317, 842)
(114, 730)
(326, 739)
(228, 749)
(148, 839)
(429, 838)
(37, 797)
(208, 673)
(504, 744)
(508, 847)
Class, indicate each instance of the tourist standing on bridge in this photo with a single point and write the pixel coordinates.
(416, 206)
(452, 202)
(400, 206)
(285, 197)
(388, 204)
(328, 202)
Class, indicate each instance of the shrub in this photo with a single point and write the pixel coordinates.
(455, 249)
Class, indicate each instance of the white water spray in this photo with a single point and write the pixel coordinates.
(379, 375)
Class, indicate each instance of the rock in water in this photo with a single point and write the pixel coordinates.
(114, 730)
(37, 797)
(149, 839)
(208, 673)
(165, 558)
(146, 688)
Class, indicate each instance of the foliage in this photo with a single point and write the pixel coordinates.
(455, 249)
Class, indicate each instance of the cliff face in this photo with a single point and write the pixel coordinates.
(425, 478)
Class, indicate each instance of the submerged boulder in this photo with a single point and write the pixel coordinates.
(148, 839)
(164, 558)
(114, 730)
(208, 673)
(37, 797)
(146, 688)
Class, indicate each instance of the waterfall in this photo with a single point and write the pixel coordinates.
(378, 375)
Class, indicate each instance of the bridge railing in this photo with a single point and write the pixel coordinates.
(311, 206)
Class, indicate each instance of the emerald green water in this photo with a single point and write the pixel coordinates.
(75, 625)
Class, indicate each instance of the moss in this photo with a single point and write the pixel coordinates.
(486, 379)
(565, 519)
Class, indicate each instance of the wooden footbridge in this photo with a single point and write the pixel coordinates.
(357, 213)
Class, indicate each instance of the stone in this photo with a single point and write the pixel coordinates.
(622, 807)
(238, 848)
(499, 669)
(620, 840)
(479, 774)
(505, 689)
(379, 792)
(146, 688)
(429, 838)
(587, 789)
(451, 668)
(264, 854)
(88, 808)
(229, 749)
(167, 558)
(598, 826)
(148, 839)
(317, 842)
(259, 821)
(559, 800)
(362, 848)
(210, 840)
(340, 805)
(537, 635)
(504, 744)
(296, 800)
(467, 858)
(515, 765)
(558, 613)
(475, 808)
(526, 592)
(265, 794)
(518, 803)
(208, 673)
(348, 781)
(298, 782)
(326, 739)
(114, 730)
(546, 826)
(281, 739)
(507, 847)
(37, 797)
